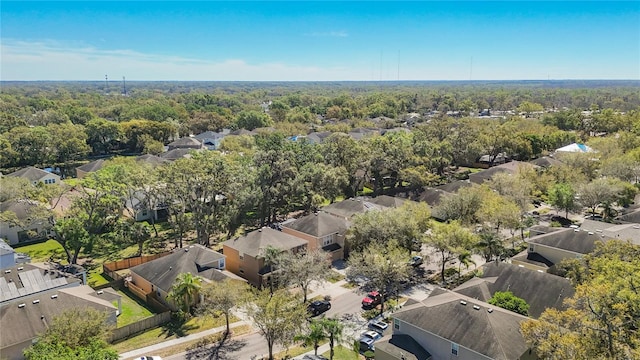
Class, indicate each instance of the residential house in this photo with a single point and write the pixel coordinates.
(176, 154)
(553, 247)
(9, 257)
(349, 207)
(391, 202)
(82, 171)
(453, 326)
(539, 289)
(156, 278)
(22, 321)
(431, 196)
(152, 160)
(510, 168)
(361, 133)
(25, 221)
(23, 280)
(35, 176)
(241, 132)
(454, 186)
(245, 253)
(140, 208)
(486, 160)
(318, 137)
(210, 139)
(322, 231)
(545, 162)
(186, 143)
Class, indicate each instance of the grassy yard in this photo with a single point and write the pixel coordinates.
(132, 309)
(170, 331)
(342, 353)
(41, 252)
(296, 351)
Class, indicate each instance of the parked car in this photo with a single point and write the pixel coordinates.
(378, 326)
(372, 300)
(366, 344)
(416, 261)
(314, 357)
(371, 334)
(318, 307)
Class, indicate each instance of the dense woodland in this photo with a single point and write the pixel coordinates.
(261, 179)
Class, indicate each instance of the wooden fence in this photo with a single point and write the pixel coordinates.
(111, 267)
(139, 326)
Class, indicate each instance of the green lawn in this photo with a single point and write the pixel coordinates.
(342, 353)
(41, 252)
(132, 309)
(170, 331)
(334, 277)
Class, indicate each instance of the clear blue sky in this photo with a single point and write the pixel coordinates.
(206, 40)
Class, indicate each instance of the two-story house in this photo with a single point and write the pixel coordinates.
(322, 231)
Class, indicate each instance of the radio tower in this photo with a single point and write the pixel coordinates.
(106, 84)
(124, 87)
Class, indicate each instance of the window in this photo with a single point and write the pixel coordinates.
(396, 324)
(327, 240)
(454, 349)
(241, 256)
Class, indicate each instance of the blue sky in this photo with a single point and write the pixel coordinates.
(363, 40)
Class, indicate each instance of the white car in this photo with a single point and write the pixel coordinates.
(148, 358)
(372, 335)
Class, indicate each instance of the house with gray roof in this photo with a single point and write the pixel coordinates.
(210, 139)
(627, 231)
(392, 202)
(321, 231)
(318, 137)
(553, 247)
(245, 253)
(453, 326)
(158, 276)
(83, 170)
(510, 168)
(152, 160)
(539, 289)
(22, 321)
(176, 154)
(35, 176)
(23, 280)
(186, 143)
(24, 221)
(349, 207)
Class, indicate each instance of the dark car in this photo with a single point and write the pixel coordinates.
(372, 300)
(318, 307)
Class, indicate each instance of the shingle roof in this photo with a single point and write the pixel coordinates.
(92, 166)
(398, 345)
(185, 142)
(31, 173)
(151, 159)
(494, 334)
(176, 154)
(22, 208)
(348, 208)
(533, 259)
(510, 167)
(5, 248)
(254, 242)
(209, 135)
(632, 217)
(196, 259)
(580, 242)
(28, 280)
(30, 320)
(319, 224)
(388, 201)
(545, 162)
(431, 196)
(454, 186)
(539, 289)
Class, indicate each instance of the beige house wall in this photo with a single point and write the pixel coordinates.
(247, 267)
(554, 255)
(312, 241)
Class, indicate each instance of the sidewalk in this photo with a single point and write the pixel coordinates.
(165, 344)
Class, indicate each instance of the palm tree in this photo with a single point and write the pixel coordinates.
(490, 244)
(334, 330)
(184, 290)
(271, 257)
(314, 337)
(464, 258)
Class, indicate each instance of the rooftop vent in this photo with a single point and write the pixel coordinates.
(636, 226)
(576, 230)
(36, 301)
(540, 271)
(590, 233)
(489, 310)
(21, 305)
(186, 249)
(54, 296)
(463, 302)
(20, 268)
(7, 271)
(476, 307)
(599, 230)
(100, 292)
(521, 266)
